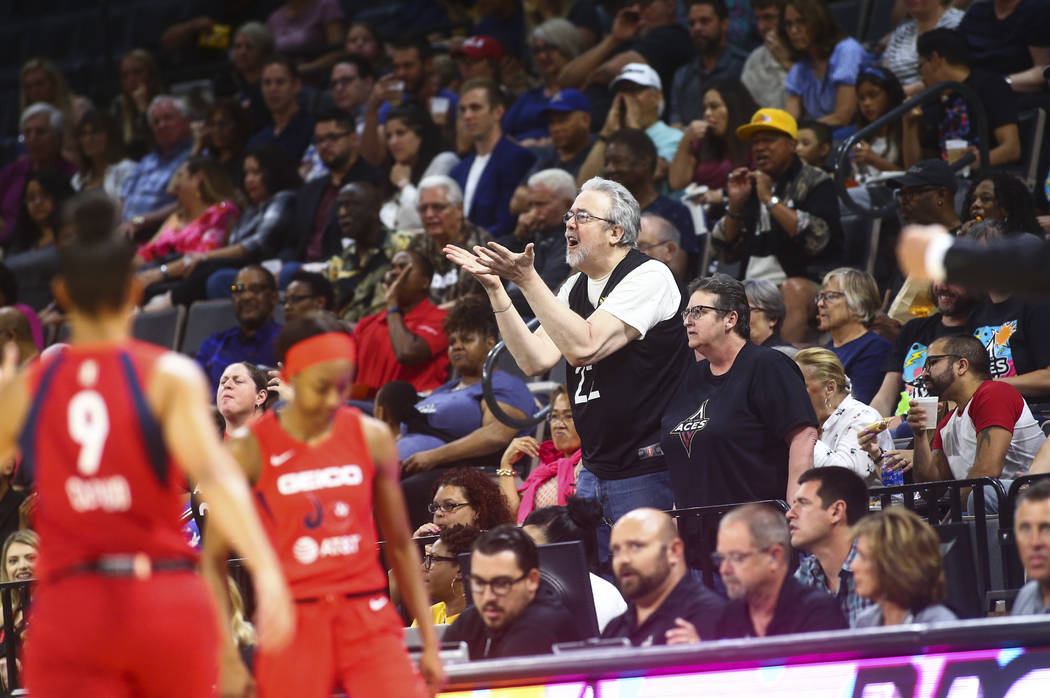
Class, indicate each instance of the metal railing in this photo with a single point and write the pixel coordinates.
(11, 634)
(490, 397)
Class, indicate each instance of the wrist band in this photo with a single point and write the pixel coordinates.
(509, 306)
(395, 309)
(506, 472)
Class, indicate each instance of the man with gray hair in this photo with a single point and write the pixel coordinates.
(440, 208)
(659, 239)
(41, 127)
(616, 323)
(550, 194)
(145, 191)
(753, 557)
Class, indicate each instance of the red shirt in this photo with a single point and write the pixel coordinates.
(98, 459)
(315, 503)
(376, 363)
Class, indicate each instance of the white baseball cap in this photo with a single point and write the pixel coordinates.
(640, 74)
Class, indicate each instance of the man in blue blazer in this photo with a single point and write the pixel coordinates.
(489, 176)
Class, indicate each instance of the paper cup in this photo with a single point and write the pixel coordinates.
(929, 405)
(439, 109)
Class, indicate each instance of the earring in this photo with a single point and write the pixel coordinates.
(940, 203)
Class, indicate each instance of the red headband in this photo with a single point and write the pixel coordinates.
(331, 346)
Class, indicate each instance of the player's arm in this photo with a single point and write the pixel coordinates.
(15, 398)
(178, 395)
(401, 552)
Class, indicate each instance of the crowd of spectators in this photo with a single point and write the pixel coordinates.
(654, 183)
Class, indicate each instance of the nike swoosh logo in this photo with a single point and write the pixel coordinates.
(377, 603)
(279, 460)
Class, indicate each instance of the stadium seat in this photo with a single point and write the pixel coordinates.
(204, 319)
(162, 328)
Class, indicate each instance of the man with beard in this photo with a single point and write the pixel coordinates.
(648, 560)
(715, 61)
(507, 620)
(782, 218)
(290, 126)
(254, 297)
(990, 433)
(753, 557)
(315, 234)
(616, 323)
(904, 365)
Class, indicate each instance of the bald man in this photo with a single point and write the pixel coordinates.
(14, 327)
(663, 598)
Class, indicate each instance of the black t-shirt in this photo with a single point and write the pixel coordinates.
(908, 355)
(539, 627)
(665, 49)
(689, 600)
(800, 609)
(1001, 45)
(680, 218)
(724, 437)
(951, 119)
(1016, 334)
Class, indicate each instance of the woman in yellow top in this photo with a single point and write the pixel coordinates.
(441, 572)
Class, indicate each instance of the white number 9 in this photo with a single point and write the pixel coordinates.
(88, 423)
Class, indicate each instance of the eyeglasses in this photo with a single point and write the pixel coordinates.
(330, 137)
(254, 289)
(448, 508)
(734, 558)
(828, 296)
(430, 558)
(697, 312)
(931, 359)
(297, 298)
(500, 585)
(582, 217)
(652, 246)
(562, 417)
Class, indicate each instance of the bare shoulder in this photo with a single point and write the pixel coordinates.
(15, 397)
(174, 378)
(380, 441)
(244, 448)
(179, 368)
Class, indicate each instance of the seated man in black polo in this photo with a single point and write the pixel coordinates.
(648, 559)
(507, 620)
(754, 551)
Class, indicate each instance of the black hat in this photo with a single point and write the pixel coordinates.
(935, 173)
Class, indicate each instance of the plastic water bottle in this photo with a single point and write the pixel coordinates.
(891, 478)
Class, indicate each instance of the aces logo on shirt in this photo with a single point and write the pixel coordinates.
(689, 426)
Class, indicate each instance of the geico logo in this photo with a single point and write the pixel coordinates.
(105, 493)
(323, 479)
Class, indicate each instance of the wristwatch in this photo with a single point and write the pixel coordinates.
(773, 201)
(164, 271)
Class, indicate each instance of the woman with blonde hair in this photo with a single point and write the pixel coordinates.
(899, 566)
(841, 417)
(17, 564)
(847, 304)
(140, 82)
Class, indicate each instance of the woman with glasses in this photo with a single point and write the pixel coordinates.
(553, 479)
(847, 304)
(223, 136)
(441, 574)
(465, 496)
(899, 566)
(740, 426)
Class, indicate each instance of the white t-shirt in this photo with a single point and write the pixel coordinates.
(646, 296)
(473, 177)
(838, 443)
(608, 603)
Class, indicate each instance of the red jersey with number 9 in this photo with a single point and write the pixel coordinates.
(315, 502)
(97, 457)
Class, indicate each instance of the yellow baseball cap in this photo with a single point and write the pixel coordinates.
(769, 120)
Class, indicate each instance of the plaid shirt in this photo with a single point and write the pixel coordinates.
(360, 284)
(812, 574)
(146, 188)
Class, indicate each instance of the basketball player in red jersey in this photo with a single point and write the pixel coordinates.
(320, 471)
(119, 610)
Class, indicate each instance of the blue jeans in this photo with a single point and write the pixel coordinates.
(618, 497)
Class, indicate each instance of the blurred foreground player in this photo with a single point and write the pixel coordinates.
(102, 425)
(319, 470)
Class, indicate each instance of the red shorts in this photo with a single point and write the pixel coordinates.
(357, 643)
(118, 637)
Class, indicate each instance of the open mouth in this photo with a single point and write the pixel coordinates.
(571, 241)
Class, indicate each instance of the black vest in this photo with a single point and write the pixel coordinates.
(617, 403)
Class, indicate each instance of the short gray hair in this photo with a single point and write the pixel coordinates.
(764, 295)
(557, 180)
(260, 35)
(561, 34)
(623, 210)
(862, 292)
(178, 102)
(667, 230)
(55, 118)
(453, 194)
(767, 526)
